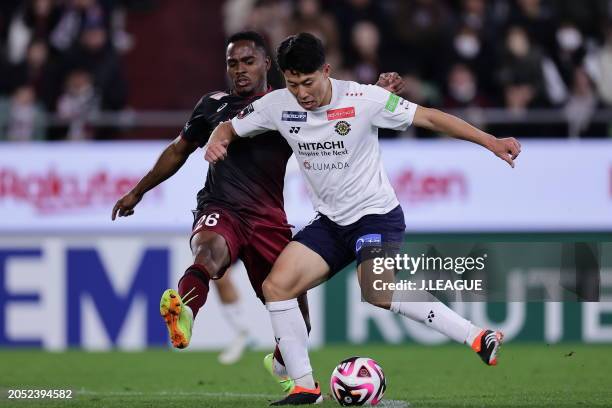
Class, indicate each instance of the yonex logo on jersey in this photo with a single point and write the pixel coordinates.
(342, 128)
(294, 116)
(392, 103)
(294, 129)
(341, 113)
(368, 240)
(246, 111)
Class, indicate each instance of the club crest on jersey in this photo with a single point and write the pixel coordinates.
(342, 113)
(294, 116)
(246, 111)
(342, 128)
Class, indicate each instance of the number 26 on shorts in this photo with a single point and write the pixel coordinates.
(209, 220)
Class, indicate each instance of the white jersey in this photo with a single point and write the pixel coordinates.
(336, 145)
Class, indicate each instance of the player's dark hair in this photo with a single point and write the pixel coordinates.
(275, 78)
(303, 53)
(254, 36)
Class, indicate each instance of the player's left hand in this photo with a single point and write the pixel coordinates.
(391, 81)
(216, 151)
(506, 149)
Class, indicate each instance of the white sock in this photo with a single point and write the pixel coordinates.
(292, 339)
(439, 317)
(235, 316)
(279, 369)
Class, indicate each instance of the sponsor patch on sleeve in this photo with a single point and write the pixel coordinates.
(392, 103)
(246, 111)
(294, 116)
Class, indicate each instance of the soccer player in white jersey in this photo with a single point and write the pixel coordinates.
(332, 127)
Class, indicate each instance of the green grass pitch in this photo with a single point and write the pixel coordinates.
(529, 375)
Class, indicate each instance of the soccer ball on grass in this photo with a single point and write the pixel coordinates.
(358, 381)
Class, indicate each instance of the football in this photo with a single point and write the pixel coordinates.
(358, 381)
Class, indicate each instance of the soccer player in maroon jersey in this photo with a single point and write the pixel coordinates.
(240, 210)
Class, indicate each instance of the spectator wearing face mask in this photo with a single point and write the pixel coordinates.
(477, 15)
(468, 48)
(587, 15)
(570, 50)
(462, 89)
(528, 78)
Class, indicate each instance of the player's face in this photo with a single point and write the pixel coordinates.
(310, 90)
(247, 67)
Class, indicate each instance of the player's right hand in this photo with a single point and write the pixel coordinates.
(125, 205)
(216, 151)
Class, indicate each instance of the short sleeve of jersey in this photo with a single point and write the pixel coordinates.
(253, 119)
(198, 128)
(389, 110)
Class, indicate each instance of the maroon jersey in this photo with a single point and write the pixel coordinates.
(250, 180)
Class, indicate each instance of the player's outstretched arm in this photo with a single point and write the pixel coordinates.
(171, 159)
(506, 149)
(221, 137)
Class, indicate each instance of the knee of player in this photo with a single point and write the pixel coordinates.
(274, 290)
(203, 256)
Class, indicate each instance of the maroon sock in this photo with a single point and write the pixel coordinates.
(278, 356)
(195, 282)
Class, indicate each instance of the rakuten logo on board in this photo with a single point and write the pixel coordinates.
(50, 192)
(414, 187)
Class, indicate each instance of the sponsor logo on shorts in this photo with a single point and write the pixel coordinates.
(246, 111)
(342, 128)
(392, 103)
(368, 240)
(341, 113)
(294, 116)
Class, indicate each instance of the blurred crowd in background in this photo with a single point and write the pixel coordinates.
(61, 57)
(520, 56)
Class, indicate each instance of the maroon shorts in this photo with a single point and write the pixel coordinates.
(255, 241)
